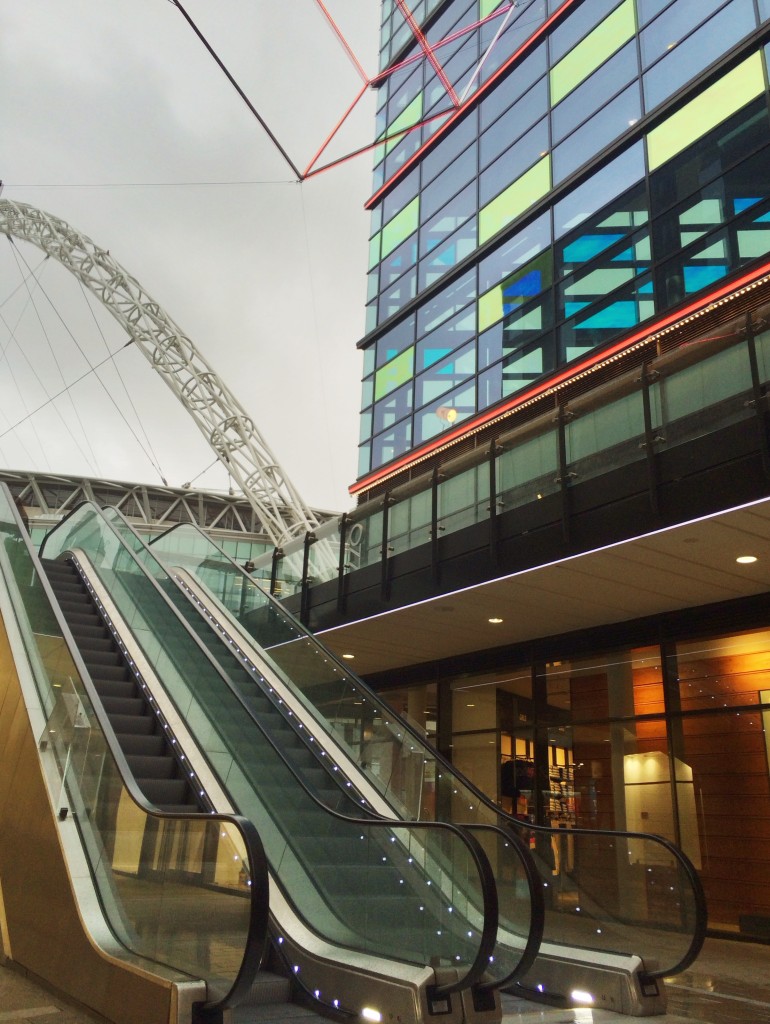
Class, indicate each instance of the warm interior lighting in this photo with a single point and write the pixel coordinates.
(445, 412)
(579, 996)
(369, 1014)
(496, 621)
(348, 657)
(746, 559)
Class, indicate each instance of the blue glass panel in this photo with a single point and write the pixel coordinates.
(619, 314)
(516, 252)
(697, 277)
(739, 205)
(588, 246)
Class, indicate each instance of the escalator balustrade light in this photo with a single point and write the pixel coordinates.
(541, 988)
(370, 1014)
(295, 968)
(579, 996)
(317, 993)
(335, 1003)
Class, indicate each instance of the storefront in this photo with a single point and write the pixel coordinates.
(668, 738)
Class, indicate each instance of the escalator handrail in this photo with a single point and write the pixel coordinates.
(699, 898)
(535, 889)
(257, 933)
(488, 886)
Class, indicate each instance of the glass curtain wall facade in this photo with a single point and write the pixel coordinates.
(552, 176)
(668, 738)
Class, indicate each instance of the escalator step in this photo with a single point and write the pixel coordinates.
(132, 725)
(163, 792)
(133, 706)
(144, 766)
(142, 745)
(115, 688)
(95, 656)
(109, 673)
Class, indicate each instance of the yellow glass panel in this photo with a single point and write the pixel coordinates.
(400, 227)
(518, 197)
(714, 105)
(409, 116)
(487, 6)
(398, 371)
(608, 36)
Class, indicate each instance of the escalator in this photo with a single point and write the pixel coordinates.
(626, 910)
(365, 911)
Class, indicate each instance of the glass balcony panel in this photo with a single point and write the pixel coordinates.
(607, 437)
(464, 499)
(703, 397)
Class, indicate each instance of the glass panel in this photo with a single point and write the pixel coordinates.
(409, 523)
(464, 499)
(689, 57)
(527, 471)
(515, 200)
(158, 876)
(712, 106)
(697, 399)
(614, 118)
(607, 437)
(592, 51)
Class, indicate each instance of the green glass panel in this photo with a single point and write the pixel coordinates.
(517, 198)
(394, 373)
(401, 226)
(592, 51)
(408, 117)
(713, 106)
(515, 290)
(487, 6)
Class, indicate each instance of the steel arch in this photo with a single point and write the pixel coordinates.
(216, 411)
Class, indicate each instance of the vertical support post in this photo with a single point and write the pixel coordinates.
(647, 379)
(277, 556)
(305, 598)
(434, 526)
(384, 587)
(758, 400)
(343, 528)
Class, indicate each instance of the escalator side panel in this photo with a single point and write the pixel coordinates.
(46, 927)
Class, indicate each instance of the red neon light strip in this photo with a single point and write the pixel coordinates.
(481, 91)
(543, 386)
(373, 145)
(306, 173)
(428, 51)
(437, 46)
(343, 40)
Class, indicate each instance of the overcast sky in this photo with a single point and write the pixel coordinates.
(114, 118)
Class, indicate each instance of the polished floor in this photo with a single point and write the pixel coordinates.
(729, 984)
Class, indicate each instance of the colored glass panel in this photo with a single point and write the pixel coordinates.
(408, 117)
(606, 38)
(401, 227)
(515, 199)
(512, 293)
(714, 105)
(394, 373)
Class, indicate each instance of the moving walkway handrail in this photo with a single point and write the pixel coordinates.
(488, 910)
(255, 943)
(540, 836)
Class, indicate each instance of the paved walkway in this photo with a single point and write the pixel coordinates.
(729, 984)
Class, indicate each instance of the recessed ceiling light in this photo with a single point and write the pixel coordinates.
(496, 621)
(348, 657)
(746, 559)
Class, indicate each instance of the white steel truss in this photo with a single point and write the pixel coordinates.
(216, 411)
